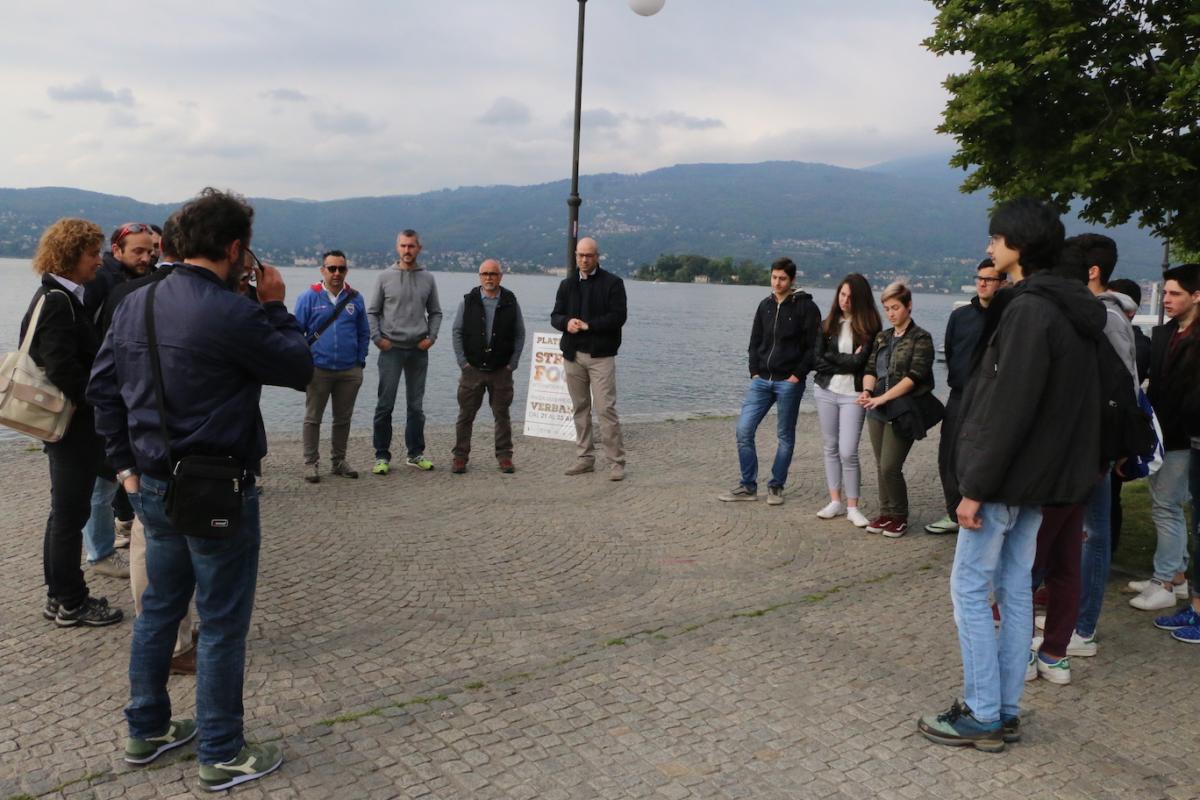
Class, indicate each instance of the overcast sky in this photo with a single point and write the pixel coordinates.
(323, 100)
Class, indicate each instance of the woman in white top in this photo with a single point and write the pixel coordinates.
(847, 335)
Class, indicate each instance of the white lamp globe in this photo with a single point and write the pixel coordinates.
(647, 8)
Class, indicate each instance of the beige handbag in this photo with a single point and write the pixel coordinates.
(29, 402)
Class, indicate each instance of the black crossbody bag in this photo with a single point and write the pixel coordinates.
(204, 493)
(338, 309)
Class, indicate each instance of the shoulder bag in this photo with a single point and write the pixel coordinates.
(29, 402)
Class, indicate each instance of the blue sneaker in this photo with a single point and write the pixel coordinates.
(1173, 622)
(1190, 634)
(959, 728)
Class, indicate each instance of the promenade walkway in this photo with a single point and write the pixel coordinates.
(538, 636)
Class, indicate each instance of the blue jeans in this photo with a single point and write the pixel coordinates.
(413, 363)
(1097, 555)
(760, 396)
(1194, 483)
(1168, 494)
(100, 533)
(998, 557)
(223, 573)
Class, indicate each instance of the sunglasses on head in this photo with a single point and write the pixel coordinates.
(131, 227)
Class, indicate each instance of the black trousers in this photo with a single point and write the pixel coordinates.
(74, 462)
(946, 444)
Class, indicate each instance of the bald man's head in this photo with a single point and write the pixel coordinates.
(587, 255)
(490, 273)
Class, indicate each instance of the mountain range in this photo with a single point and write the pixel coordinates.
(902, 217)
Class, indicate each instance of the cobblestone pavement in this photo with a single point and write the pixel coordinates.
(542, 636)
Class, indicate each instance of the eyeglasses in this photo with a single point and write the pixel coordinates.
(587, 255)
(336, 269)
(981, 279)
(489, 274)
(131, 227)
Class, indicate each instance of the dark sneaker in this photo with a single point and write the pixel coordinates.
(877, 525)
(738, 494)
(1173, 622)
(895, 528)
(253, 762)
(50, 610)
(1188, 635)
(958, 727)
(506, 466)
(420, 462)
(143, 751)
(343, 469)
(458, 466)
(114, 565)
(94, 612)
(1010, 729)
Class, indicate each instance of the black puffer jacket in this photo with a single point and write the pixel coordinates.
(1030, 432)
(785, 337)
(1174, 388)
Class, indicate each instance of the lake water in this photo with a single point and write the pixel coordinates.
(683, 354)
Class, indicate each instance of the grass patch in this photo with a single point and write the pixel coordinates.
(614, 642)
(353, 716)
(474, 685)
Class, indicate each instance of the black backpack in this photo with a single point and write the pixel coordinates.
(1125, 429)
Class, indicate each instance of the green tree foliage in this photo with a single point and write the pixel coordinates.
(1090, 99)
(672, 268)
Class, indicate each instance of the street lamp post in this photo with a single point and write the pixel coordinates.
(645, 8)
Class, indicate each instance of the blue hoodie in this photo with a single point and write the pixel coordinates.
(344, 343)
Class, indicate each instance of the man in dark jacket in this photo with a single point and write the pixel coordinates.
(1029, 436)
(783, 346)
(590, 310)
(216, 355)
(489, 335)
(130, 256)
(962, 334)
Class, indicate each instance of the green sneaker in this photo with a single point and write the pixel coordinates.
(943, 525)
(143, 751)
(420, 462)
(254, 761)
(381, 467)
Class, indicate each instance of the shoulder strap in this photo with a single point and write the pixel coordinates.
(350, 295)
(156, 372)
(27, 342)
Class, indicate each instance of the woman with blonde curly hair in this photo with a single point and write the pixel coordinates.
(64, 345)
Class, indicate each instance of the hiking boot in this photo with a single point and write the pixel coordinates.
(93, 612)
(616, 472)
(312, 473)
(738, 494)
(143, 751)
(580, 467)
(876, 525)
(114, 565)
(1154, 597)
(458, 466)
(184, 663)
(856, 517)
(1010, 728)
(343, 469)
(50, 610)
(774, 495)
(895, 528)
(834, 508)
(1173, 622)
(381, 467)
(1055, 670)
(943, 525)
(254, 761)
(958, 727)
(506, 466)
(420, 462)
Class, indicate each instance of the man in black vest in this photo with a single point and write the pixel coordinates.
(489, 335)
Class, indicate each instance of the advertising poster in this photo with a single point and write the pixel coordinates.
(548, 407)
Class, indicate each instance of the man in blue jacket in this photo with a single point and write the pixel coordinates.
(216, 353)
(334, 319)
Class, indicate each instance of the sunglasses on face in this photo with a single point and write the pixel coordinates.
(131, 227)
(337, 269)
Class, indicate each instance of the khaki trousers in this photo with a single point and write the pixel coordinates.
(593, 381)
(138, 581)
(498, 384)
(342, 386)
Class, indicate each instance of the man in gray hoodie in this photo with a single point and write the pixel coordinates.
(405, 315)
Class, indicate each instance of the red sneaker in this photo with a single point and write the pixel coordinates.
(458, 466)
(878, 524)
(895, 527)
(506, 466)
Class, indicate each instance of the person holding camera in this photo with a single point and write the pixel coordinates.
(177, 405)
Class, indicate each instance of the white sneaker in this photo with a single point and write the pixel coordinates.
(1154, 598)
(1031, 667)
(1079, 646)
(1181, 589)
(835, 509)
(856, 517)
(1039, 622)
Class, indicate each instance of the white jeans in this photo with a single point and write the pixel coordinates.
(841, 427)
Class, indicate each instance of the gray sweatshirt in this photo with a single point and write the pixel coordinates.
(1119, 330)
(404, 307)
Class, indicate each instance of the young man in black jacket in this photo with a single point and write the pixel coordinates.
(783, 344)
(1029, 436)
(962, 334)
(590, 310)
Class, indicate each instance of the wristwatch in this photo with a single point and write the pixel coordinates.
(124, 474)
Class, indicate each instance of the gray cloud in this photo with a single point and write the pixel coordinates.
(507, 111)
(599, 118)
(285, 95)
(348, 123)
(126, 120)
(678, 119)
(90, 90)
